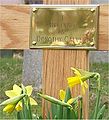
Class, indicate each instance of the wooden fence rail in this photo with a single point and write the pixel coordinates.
(15, 24)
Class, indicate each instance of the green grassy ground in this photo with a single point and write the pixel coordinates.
(103, 69)
(11, 72)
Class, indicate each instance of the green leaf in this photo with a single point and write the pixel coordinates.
(59, 112)
(73, 112)
(64, 113)
(29, 108)
(26, 104)
(25, 113)
(20, 115)
(101, 112)
(23, 89)
(53, 110)
(81, 106)
(69, 114)
(55, 117)
(97, 105)
(68, 95)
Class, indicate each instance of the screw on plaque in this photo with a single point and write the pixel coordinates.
(34, 9)
(34, 43)
(92, 10)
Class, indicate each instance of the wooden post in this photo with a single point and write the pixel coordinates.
(56, 68)
(57, 64)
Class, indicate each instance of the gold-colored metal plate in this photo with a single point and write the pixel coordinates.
(64, 26)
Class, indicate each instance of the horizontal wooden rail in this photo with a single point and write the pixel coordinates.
(15, 24)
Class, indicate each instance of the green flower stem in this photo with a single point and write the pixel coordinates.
(23, 89)
(97, 76)
(81, 105)
(26, 104)
(101, 112)
(54, 100)
(92, 75)
(89, 75)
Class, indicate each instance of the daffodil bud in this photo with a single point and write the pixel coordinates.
(54, 100)
(13, 100)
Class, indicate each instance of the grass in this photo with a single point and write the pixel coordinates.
(101, 68)
(11, 73)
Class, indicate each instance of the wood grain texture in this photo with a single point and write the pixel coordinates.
(57, 64)
(56, 69)
(15, 24)
(104, 28)
(66, 1)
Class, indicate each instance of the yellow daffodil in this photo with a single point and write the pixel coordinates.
(62, 95)
(11, 103)
(79, 78)
(9, 108)
(16, 92)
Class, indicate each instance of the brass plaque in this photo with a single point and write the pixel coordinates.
(64, 26)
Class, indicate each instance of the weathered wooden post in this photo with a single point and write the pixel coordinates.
(56, 63)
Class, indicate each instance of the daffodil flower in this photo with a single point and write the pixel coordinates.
(16, 92)
(79, 78)
(9, 108)
(62, 95)
(11, 103)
